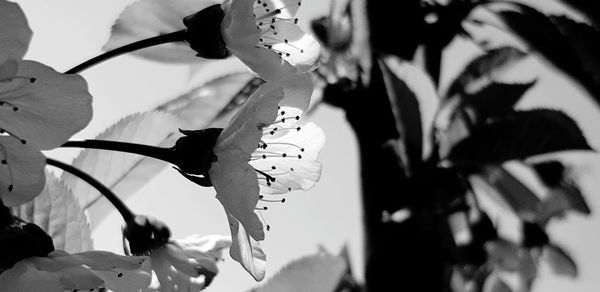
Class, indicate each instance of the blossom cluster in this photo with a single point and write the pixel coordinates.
(265, 152)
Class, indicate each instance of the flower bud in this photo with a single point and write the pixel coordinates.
(194, 153)
(203, 33)
(145, 234)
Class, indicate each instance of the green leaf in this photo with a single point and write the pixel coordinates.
(517, 136)
(460, 114)
(568, 45)
(57, 211)
(560, 261)
(149, 18)
(514, 194)
(493, 283)
(213, 101)
(586, 7)
(124, 173)
(320, 272)
(414, 101)
(495, 100)
(483, 69)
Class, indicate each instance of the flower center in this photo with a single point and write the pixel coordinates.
(269, 19)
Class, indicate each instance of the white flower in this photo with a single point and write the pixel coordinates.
(61, 271)
(189, 264)
(265, 36)
(262, 34)
(263, 153)
(39, 110)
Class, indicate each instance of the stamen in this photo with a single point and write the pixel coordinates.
(262, 218)
(4, 154)
(9, 79)
(4, 131)
(8, 104)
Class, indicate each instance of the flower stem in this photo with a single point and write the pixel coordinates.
(173, 37)
(127, 214)
(164, 154)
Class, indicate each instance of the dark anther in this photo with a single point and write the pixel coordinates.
(301, 149)
(32, 80)
(284, 155)
(298, 129)
(297, 118)
(264, 156)
(120, 275)
(4, 161)
(23, 142)
(273, 167)
(10, 188)
(268, 227)
(283, 200)
(299, 156)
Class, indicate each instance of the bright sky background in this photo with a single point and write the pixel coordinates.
(67, 32)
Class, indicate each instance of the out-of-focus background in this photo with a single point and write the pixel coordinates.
(67, 32)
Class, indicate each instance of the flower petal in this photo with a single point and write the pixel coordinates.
(288, 8)
(206, 250)
(15, 33)
(246, 250)
(169, 278)
(245, 129)
(48, 274)
(297, 92)
(296, 167)
(49, 110)
(241, 36)
(300, 49)
(23, 172)
(237, 189)
(149, 18)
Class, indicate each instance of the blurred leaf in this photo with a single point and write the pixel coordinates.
(563, 194)
(124, 173)
(517, 136)
(414, 102)
(550, 172)
(320, 272)
(560, 261)
(572, 47)
(586, 7)
(518, 197)
(201, 106)
(584, 41)
(495, 100)
(483, 69)
(335, 30)
(494, 283)
(458, 116)
(149, 18)
(57, 211)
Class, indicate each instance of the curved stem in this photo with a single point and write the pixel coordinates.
(164, 154)
(173, 37)
(105, 191)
